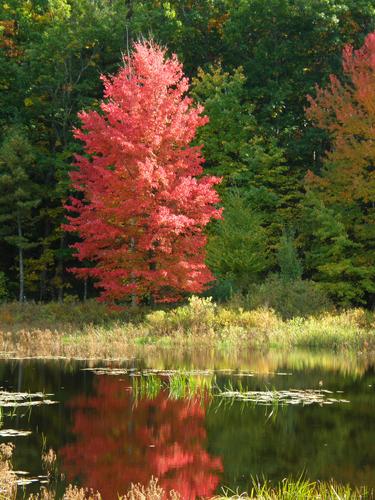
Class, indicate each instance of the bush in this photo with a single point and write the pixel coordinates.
(197, 315)
(288, 298)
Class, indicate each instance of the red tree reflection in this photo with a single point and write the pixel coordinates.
(118, 443)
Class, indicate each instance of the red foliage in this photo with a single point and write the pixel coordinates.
(144, 209)
(117, 443)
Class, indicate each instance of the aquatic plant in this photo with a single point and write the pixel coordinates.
(17, 399)
(146, 386)
(185, 385)
(284, 397)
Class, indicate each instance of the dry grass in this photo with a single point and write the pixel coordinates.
(150, 492)
(8, 485)
(71, 493)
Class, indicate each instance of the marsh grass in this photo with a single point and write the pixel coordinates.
(182, 385)
(177, 385)
(91, 331)
(148, 386)
(299, 489)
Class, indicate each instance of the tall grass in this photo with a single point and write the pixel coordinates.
(90, 330)
(300, 489)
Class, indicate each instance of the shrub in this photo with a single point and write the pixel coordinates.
(197, 315)
(288, 298)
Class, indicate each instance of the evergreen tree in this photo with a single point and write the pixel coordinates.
(332, 258)
(18, 196)
(237, 246)
(289, 264)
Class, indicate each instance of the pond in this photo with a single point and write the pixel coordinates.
(230, 422)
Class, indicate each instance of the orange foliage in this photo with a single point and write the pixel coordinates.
(346, 109)
(9, 30)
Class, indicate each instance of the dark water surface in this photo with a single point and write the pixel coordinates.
(105, 438)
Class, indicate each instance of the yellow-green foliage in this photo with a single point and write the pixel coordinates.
(197, 316)
(90, 330)
(201, 316)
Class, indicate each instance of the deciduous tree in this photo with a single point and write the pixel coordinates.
(143, 208)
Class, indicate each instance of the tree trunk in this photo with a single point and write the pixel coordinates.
(60, 270)
(20, 258)
(128, 33)
(85, 289)
(133, 280)
(43, 275)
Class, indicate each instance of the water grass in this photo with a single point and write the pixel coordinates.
(177, 385)
(184, 385)
(146, 387)
(299, 489)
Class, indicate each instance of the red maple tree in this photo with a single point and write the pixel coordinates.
(143, 205)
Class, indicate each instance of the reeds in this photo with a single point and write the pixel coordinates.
(176, 384)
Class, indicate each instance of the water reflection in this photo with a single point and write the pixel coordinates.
(105, 439)
(117, 442)
(263, 363)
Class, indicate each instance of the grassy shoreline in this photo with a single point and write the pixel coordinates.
(286, 489)
(92, 330)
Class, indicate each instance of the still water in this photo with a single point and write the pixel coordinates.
(105, 437)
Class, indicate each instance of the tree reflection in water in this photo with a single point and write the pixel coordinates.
(118, 442)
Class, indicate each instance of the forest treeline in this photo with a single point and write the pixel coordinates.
(291, 220)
